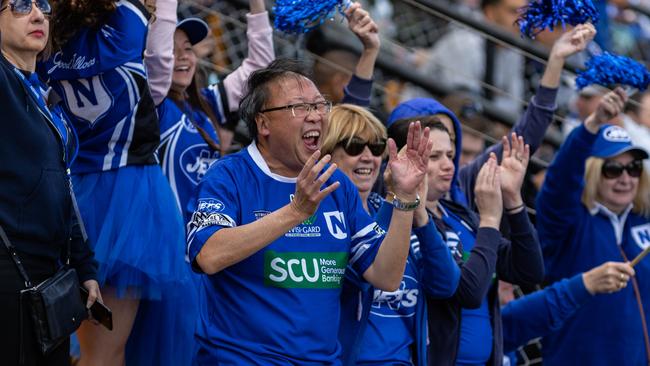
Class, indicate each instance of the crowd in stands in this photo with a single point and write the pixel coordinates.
(329, 231)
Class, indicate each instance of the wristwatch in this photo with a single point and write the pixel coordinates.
(404, 206)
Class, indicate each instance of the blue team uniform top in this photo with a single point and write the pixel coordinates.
(184, 154)
(281, 305)
(101, 77)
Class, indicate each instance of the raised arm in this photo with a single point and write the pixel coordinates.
(558, 203)
(358, 91)
(260, 53)
(408, 171)
(159, 54)
(538, 116)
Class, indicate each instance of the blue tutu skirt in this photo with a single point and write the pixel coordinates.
(135, 228)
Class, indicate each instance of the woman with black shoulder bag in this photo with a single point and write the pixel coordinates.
(43, 257)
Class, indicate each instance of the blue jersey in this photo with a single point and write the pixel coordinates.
(184, 154)
(281, 305)
(388, 338)
(101, 77)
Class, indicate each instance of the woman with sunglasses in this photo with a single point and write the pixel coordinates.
(130, 213)
(594, 207)
(381, 327)
(36, 211)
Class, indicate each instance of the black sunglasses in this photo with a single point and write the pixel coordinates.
(356, 145)
(24, 7)
(613, 169)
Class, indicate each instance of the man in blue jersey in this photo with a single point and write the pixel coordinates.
(274, 228)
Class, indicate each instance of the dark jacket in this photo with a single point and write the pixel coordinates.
(518, 261)
(35, 200)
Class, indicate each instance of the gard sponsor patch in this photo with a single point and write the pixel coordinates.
(317, 270)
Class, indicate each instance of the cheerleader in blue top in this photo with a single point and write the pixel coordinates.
(133, 224)
(192, 120)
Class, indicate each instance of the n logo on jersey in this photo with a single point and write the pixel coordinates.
(88, 99)
(336, 224)
(641, 235)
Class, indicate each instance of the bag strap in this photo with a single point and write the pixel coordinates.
(639, 302)
(14, 256)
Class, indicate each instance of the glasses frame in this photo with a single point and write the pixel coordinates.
(634, 169)
(12, 6)
(347, 145)
(310, 108)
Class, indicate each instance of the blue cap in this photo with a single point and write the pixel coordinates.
(195, 28)
(614, 140)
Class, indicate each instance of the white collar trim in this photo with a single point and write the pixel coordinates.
(618, 222)
(264, 167)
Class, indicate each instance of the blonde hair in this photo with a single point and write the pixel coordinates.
(347, 121)
(593, 177)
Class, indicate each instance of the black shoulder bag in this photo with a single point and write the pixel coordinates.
(55, 304)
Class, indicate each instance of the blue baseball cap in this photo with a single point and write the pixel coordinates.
(195, 28)
(614, 140)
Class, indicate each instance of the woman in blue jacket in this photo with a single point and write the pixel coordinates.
(594, 207)
(379, 327)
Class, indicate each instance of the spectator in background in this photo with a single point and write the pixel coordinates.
(463, 59)
(637, 121)
(583, 105)
(332, 75)
(594, 207)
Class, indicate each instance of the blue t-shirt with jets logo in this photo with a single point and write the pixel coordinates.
(184, 154)
(281, 305)
(101, 77)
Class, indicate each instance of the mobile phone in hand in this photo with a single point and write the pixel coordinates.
(99, 311)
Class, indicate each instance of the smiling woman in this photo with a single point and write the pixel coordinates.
(37, 146)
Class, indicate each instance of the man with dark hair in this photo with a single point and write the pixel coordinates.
(275, 244)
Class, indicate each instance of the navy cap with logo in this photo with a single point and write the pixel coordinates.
(195, 28)
(614, 140)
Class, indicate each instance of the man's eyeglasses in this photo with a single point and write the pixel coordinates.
(356, 145)
(613, 169)
(24, 7)
(301, 110)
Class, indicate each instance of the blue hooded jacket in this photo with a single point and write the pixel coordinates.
(518, 261)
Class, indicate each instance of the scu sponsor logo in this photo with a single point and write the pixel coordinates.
(316, 270)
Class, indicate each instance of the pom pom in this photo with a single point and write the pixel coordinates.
(608, 70)
(547, 14)
(301, 16)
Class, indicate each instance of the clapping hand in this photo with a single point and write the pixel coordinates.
(516, 155)
(309, 182)
(487, 192)
(409, 168)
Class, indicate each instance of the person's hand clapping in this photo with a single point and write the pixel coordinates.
(409, 168)
(516, 155)
(487, 192)
(309, 182)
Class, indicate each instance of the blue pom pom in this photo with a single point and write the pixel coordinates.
(547, 14)
(301, 16)
(608, 70)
